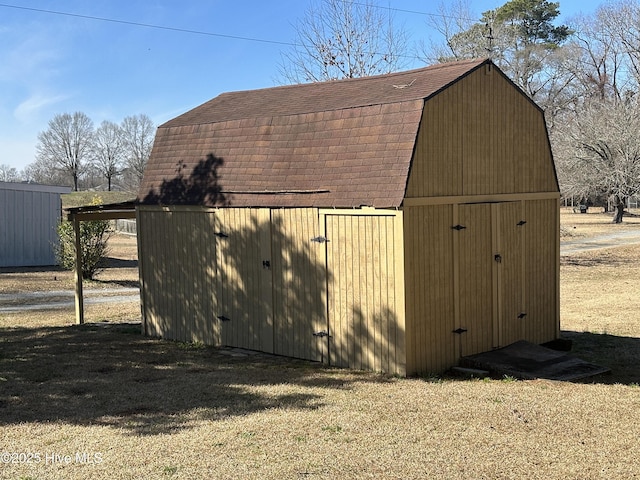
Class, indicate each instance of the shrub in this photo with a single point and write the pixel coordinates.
(94, 235)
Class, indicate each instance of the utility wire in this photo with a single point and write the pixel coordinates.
(163, 27)
(149, 25)
(412, 12)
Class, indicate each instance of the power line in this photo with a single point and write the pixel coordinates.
(149, 25)
(163, 27)
(413, 12)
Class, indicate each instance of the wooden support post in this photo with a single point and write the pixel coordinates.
(78, 272)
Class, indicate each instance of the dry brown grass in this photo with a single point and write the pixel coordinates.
(154, 409)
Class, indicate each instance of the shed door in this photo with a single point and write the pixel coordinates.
(362, 293)
(244, 281)
(491, 276)
(476, 290)
(299, 284)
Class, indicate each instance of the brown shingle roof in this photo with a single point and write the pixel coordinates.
(344, 143)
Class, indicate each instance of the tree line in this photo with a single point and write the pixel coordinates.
(584, 74)
(71, 151)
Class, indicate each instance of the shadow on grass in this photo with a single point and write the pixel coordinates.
(111, 375)
(620, 354)
(114, 283)
(112, 262)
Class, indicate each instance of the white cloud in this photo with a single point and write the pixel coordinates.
(33, 105)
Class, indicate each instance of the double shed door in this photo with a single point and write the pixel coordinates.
(271, 282)
(490, 240)
(319, 286)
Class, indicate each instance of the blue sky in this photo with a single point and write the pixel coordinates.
(51, 64)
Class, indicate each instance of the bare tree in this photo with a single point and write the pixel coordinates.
(138, 133)
(66, 144)
(520, 38)
(621, 22)
(451, 19)
(8, 173)
(344, 39)
(108, 150)
(598, 153)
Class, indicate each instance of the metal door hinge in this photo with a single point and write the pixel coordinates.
(322, 334)
(320, 239)
(521, 223)
(221, 235)
(460, 330)
(458, 227)
(522, 315)
(222, 318)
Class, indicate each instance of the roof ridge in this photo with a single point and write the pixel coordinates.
(434, 67)
(289, 100)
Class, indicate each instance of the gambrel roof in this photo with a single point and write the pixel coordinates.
(345, 143)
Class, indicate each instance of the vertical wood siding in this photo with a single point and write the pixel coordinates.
(481, 136)
(454, 280)
(541, 264)
(178, 273)
(510, 272)
(365, 293)
(244, 283)
(430, 285)
(299, 284)
(477, 291)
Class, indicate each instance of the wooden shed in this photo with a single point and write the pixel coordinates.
(393, 223)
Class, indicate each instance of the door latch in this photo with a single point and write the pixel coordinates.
(498, 258)
(266, 264)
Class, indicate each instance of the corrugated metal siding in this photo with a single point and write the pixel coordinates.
(28, 223)
(365, 294)
(481, 136)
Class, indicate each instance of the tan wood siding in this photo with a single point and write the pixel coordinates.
(476, 290)
(481, 136)
(495, 277)
(430, 280)
(244, 284)
(542, 251)
(365, 294)
(510, 271)
(178, 267)
(299, 284)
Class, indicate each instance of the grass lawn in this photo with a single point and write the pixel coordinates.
(100, 401)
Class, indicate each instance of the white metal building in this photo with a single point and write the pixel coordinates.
(29, 215)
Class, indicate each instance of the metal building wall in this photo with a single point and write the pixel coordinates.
(29, 216)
